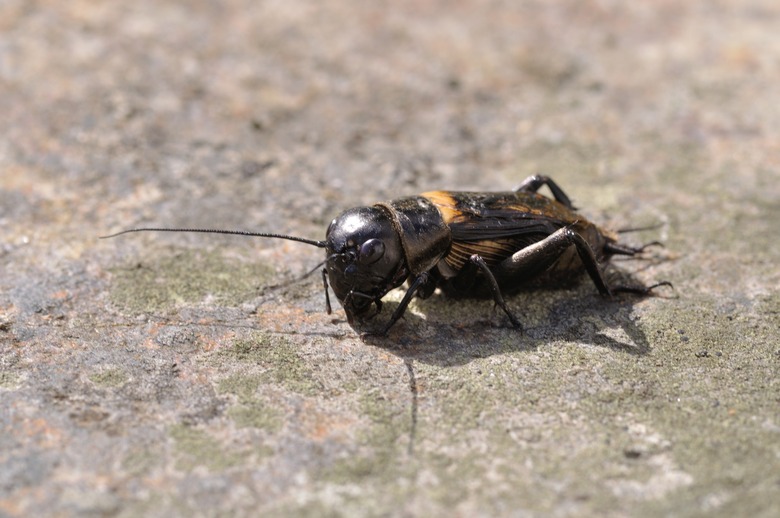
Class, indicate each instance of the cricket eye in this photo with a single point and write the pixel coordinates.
(371, 251)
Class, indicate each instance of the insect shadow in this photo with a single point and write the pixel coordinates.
(447, 334)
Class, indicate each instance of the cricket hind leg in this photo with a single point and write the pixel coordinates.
(536, 258)
(534, 183)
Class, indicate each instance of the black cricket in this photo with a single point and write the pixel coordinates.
(465, 243)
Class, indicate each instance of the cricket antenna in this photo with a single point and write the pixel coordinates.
(319, 244)
(626, 230)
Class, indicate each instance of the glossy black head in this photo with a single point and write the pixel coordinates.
(365, 259)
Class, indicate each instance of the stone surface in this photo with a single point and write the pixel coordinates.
(183, 375)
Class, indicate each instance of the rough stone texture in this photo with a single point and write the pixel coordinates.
(180, 375)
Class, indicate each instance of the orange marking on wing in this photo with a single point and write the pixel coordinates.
(445, 203)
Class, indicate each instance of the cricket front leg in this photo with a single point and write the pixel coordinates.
(419, 282)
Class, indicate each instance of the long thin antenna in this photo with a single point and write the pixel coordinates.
(320, 244)
(639, 229)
